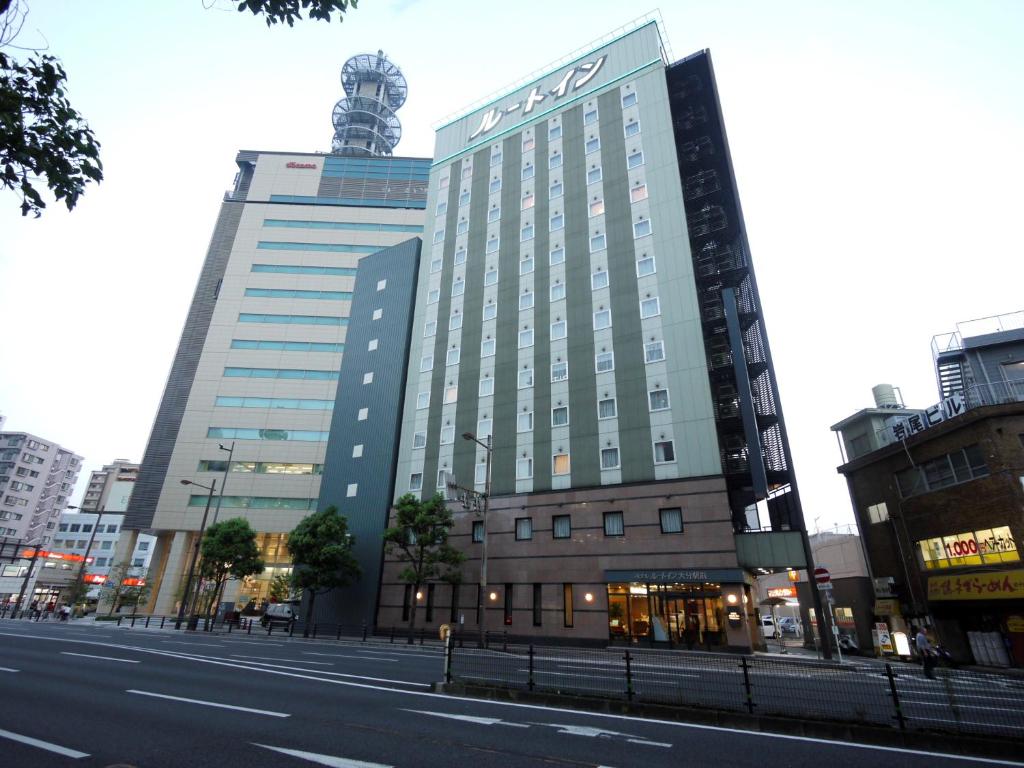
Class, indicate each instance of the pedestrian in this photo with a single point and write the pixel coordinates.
(924, 649)
(65, 612)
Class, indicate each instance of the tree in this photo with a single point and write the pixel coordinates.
(281, 588)
(288, 11)
(418, 537)
(228, 549)
(135, 593)
(321, 549)
(41, 134)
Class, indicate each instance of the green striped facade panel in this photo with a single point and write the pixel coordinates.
(541, 317)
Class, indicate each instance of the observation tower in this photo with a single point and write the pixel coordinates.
(365, 124)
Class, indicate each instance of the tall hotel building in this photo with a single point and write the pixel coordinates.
(586, 299)
(251, 391)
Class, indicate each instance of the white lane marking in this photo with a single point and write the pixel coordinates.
(645, 743)
(266, 712)
(255, 665)
(105, 658)
(735, 732)
(289, 661)
(342, 656)
(7, 669)
(328, 760)
(257, 642)
(189, 642)
(643, 675)
(976, 708)
(43, 745)
(469, 718)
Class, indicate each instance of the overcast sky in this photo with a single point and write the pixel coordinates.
(877, 145)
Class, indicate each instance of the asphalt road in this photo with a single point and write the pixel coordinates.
(94, 695)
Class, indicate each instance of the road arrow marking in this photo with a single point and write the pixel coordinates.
(469, 718)
(328, 760)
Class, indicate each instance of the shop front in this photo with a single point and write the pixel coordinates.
(982, 612)
(707, 609)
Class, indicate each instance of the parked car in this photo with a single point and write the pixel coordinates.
(789, 625)
(768, 627)
(278, 614)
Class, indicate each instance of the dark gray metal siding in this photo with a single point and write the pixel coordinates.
(374, 472)
(153, 470)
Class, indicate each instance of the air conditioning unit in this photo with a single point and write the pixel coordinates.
(885, 586)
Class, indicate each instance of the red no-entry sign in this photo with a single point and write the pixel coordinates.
(822, 576)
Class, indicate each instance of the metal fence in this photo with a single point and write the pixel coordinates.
(868, 693)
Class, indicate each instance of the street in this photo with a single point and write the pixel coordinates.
(96, 695)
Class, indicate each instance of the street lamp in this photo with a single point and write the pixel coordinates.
(195, 551)
(480, 610)
(80, 579)
(224, 482)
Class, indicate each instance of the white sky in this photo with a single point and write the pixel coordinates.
(877, 146)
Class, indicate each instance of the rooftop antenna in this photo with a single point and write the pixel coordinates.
(365, 124)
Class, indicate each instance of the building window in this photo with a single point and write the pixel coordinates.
(495, 185)
(943, 471)
(654, 352)
(382, 284)
(602, 319)
(442, 479)
(524, 528)
(524, 467)
(486, 387)
(460, 256)
(645, 266)
(419, 439)
(426, 363)
(494, 214)
(555, 160)
(508, 604)
(558, 291)
(590, 117)
(559, 371)
(416, 481)
(352, 490)
(594, 175)
(598, 280)
(458, 286)
(561, 527)
(606, 408)
(538, 610)
(372, 345)
(526, 338)
(487, 347)
(567, 616)
(671, 520)
(650, 308)
(364, 414)
(524, 422)
(495, 158)
(664, 452)
(638, 193)
(452, 357)
(441, 210)
(598, 243)
(557, 256)
(609, 458)
(557, 222)
(593, 145)
(527, 172)
(604, 362)
(357, 451)
(554, 132)
(527, 143)
(558, 330)
(464, 197)
(455, 321)
(490, 277)
(635, 159)
(525, 378)
(480, 474)
(560, 416)
(462, 227)
(596, 208)
(657, 399)
(526, 233)
(555, 190)
(642, 228)
(447, 434)
(483, 429)
(490, 311)
(439, 235)
(492, 245)
(525, 301)
(434, 296)
(632, 128)
(878, 513)
(560, 464)
(527, 202)
(478, 531)
(629, 99)
(378, 314)
(613, 524)
(526, 266)
(422, 400)
(429, 328)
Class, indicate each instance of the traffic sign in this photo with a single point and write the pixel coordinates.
(822, 576)
(826, 586)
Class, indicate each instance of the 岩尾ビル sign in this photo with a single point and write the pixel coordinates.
(994, 585)
(938, 413)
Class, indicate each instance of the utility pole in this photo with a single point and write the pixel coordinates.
(195, 551)
(80, 579)
(481, 609)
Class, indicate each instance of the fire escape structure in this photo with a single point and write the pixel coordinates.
(365, 123)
